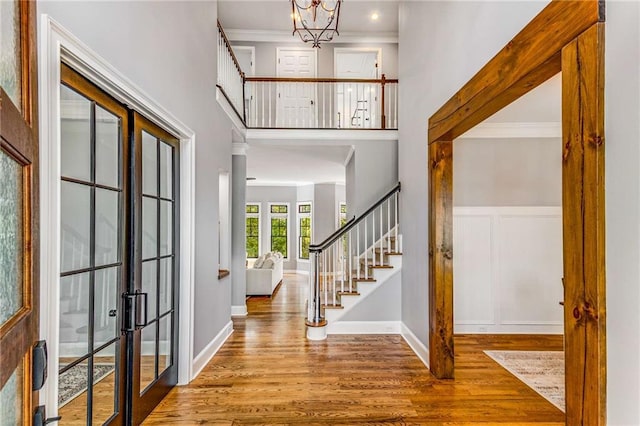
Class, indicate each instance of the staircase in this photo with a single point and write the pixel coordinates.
(352, 263)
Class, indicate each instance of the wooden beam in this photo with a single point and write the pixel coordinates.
(584, 227)
(524, 63)
(441, 259)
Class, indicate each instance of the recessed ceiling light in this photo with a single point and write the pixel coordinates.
(375, 16)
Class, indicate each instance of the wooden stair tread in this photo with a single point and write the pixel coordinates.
(381, 267)
(364, 280)
(325, 306)
(348, 293)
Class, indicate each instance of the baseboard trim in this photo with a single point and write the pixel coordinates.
(364, 327)
(508, 329)
(296, 271)
(203, 358)
(239, 310)
(415, 344)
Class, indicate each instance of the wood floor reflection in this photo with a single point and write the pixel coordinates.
(269, 373)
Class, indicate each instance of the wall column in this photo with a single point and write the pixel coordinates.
(238, 230)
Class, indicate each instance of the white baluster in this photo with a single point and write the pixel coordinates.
(373, 238)
(358, 249)
(397, 223)
(270, 123)
(366, 250)
(389, 225)
(350, 261)
(381, 239)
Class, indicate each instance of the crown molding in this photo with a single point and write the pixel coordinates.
(239, 148)
(514, 130)
(277, 36)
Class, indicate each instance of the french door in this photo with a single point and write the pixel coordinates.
(118, 283)
(19, 240)
(154, 289)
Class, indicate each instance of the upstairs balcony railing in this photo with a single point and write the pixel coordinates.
(305, 103)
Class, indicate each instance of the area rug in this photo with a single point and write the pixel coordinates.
(542, 371)
(73, 382)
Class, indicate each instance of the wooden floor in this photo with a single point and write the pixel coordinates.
(268, 373)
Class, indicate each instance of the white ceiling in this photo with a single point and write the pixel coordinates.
(275, 15)
(296, 165)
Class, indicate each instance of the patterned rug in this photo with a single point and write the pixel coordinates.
(542, 371)
(73, 382)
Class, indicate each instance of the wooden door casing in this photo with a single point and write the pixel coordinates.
(19, 140)
(567, 37)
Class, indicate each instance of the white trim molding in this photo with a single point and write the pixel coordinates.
(56, 45)
(275, 36)
(209, 351)
(239, 148)
(364, 327)
(415, 344)
(280, 136)
(239, 310)
(514, 130)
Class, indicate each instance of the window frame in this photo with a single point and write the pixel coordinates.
(287, 216)
(257, 216)
(298, 235)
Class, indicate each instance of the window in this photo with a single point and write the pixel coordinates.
(343, 214)
(304, 230)
(253, 230)
(279, 221)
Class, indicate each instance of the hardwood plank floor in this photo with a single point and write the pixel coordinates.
(269, 373)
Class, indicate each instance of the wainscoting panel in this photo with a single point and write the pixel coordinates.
(508, 270)
(473, 289)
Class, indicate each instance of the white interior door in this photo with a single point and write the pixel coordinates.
(296, 102)
(357, 103)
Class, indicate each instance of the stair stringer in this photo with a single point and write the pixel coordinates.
(365, 289)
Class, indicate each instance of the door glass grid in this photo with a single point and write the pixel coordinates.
(158, 257)
(91, 264)
(11, 237)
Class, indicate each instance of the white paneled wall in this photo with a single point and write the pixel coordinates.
(507, 269)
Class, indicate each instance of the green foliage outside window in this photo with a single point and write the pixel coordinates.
(305, 237)
(279, 234)
(253, 237)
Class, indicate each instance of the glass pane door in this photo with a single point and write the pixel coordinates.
(155, 363)
(92, 229)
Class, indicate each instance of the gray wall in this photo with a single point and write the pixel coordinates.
(381, 305)
(376, 172)
(161, 50)
(622, 113)
(434, 62)
(238, 231)
(266, 56)
(324, 211)
(507, 172)
(430, 80)
(276, 194)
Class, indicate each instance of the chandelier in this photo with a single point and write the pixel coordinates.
(315, 20)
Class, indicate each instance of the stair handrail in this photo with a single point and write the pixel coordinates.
(330, 259)
(352, 223)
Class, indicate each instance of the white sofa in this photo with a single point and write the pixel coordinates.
(265, 275)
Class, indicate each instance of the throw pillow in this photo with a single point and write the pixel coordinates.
(268, 264)
(259, 261)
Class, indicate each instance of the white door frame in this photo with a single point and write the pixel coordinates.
(338, 50)
(315, 73)
(55, 45)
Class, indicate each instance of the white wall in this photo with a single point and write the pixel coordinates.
(381, 305)
(434, 62)
(622, 115)
(507, 270)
